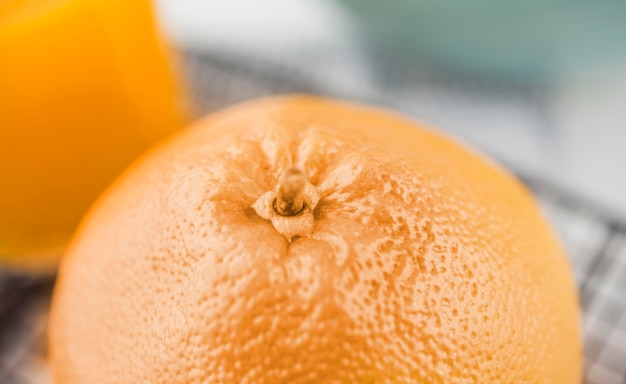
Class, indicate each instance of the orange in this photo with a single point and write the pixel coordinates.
(302, 240)
(86, 86)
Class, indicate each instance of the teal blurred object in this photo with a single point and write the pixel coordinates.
(532, 39)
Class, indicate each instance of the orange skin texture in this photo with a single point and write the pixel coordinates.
(425, 263)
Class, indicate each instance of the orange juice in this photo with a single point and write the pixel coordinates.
(85, 87)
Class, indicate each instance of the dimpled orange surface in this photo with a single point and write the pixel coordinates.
(409, 259)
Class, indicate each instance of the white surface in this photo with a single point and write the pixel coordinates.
(248, 23)
(590, 121)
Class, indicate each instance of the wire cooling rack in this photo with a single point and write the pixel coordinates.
(596, 241)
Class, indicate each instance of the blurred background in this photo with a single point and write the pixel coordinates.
(87, 85)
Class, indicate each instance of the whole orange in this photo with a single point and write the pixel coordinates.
(301, 240)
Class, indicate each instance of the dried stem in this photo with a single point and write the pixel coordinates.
(290, 196)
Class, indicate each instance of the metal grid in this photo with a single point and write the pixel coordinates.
(596, 243)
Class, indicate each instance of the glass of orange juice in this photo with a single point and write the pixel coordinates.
(85, 87)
